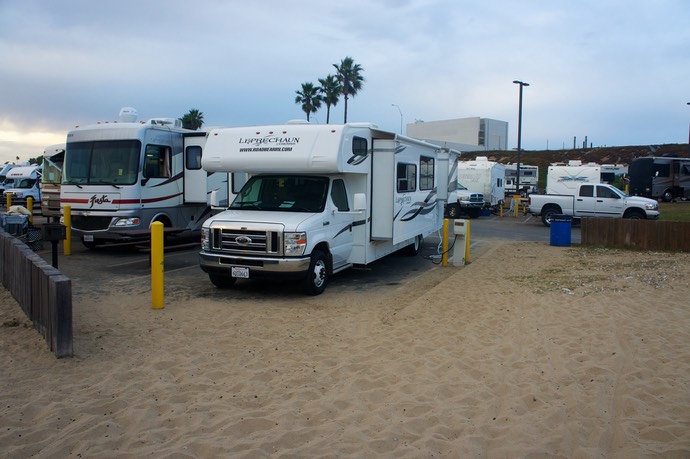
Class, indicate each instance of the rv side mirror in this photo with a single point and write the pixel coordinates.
(360, 202)
(214, 198)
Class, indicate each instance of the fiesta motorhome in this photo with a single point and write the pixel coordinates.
(120, 177)
(319, 199)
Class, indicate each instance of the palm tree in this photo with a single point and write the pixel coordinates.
(309, 98)
(350, 78)
(330, 90)
(193, 120)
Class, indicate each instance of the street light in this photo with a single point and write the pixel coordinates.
(401, 117)
(517, 179)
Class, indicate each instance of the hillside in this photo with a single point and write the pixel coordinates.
(604, 155)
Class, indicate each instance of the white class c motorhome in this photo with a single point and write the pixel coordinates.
(319, 199)
(120, 177)
(484, 176)
(26, 183)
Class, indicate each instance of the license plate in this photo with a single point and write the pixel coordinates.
(88, 237)
(240, 272)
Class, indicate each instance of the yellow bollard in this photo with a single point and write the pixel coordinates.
(444, 244)
(67, 245)
(8, 201)
(30, 208)
(157, 290)
(500, 209)
(467, 242)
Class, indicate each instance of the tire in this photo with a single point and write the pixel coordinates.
(317, 276)
(452, 211)
(635, 214)
(548, 213)
(92, 244)
(221, 280)
(667, 196)
(412, 250)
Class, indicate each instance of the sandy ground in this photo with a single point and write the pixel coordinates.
(530, 351)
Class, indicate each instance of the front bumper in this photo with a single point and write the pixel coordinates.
(258, 266)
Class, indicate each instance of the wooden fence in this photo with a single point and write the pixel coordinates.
(43, 293)
(636, 234)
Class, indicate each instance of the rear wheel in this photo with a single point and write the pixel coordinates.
(221, 280)
(317, 276)
(413, 249)
(667, 196)
(548, 213)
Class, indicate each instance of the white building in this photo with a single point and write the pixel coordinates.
(464, 134)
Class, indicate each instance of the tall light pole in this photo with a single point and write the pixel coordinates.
(517, 179)
(401, 117)
(688, 135)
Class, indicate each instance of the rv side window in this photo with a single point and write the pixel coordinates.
(499, 183)
(426, 173)
(587, 191)
(339, 195)
(193, 157)
(662, 170)
(406, 177)
(359, 146)
(157, 162)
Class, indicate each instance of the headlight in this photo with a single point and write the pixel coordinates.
(205, 239)
(652, 206)
(133, 221)
(295, 244)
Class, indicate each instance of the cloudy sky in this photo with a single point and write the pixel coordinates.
(616, 71)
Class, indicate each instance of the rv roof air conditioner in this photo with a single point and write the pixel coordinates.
(166, 122)
(128, 114)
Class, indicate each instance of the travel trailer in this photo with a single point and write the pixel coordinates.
(660, 177)
(120, 177)
(529, 179)
(566, 178)
(484, 176)
(53, 157)
(319, 199)
(26, 183)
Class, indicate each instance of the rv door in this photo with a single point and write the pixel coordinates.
(195, 186)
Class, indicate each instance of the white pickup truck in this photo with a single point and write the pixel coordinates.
(593, 200)
(462, 200)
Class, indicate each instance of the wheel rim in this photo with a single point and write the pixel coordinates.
(319, 274)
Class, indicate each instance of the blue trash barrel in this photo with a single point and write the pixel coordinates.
(560, 230)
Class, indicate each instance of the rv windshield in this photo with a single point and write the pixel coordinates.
(112, 162)
(284, 193)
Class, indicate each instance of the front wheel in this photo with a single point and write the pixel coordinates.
(221, 280)
(635, 215)
(667, 196)
(452, 211)
(317, 276)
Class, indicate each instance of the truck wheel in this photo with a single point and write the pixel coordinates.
(452, 211)
(92, 244)
(667, 196)
(547, 214)
(317, 276)
(635, 214)
(221, 280)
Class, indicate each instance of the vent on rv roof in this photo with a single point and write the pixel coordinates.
(128, 114)
(166, 122)
(298, 122)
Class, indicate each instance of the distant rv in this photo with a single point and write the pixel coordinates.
(660, 177)
(529, 179)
